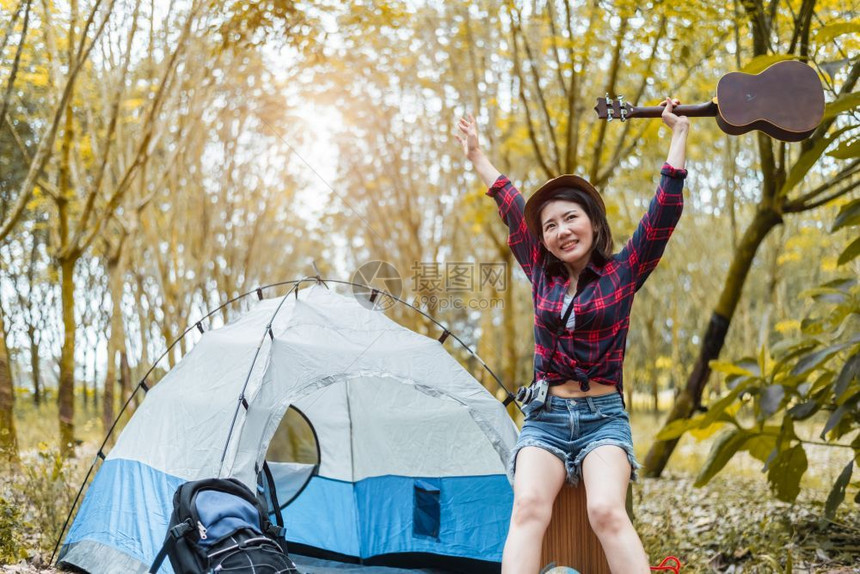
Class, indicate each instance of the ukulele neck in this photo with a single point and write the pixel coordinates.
(706, 110)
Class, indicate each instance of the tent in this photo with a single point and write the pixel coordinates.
(412, 449)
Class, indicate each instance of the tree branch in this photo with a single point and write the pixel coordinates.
(43, 152)
(142, 154)
(7, 95)
(520, 84)
(825, 200)
(610, 88)
(544, 108)
(86, 214)
(799, 204)
(555, 50)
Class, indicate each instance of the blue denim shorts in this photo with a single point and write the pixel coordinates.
(572, 428)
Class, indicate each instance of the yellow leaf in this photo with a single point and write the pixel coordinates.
(787, 326)
(707, 432)
(760, 63)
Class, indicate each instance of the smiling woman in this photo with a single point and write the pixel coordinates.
(576, 426)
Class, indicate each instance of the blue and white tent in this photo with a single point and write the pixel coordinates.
(413, 449)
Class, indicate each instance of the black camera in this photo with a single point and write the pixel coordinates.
(534, 393)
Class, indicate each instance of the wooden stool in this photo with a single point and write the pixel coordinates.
(569, 540)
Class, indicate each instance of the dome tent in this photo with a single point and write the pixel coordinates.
(413, 449)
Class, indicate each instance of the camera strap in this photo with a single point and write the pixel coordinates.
(558, 333)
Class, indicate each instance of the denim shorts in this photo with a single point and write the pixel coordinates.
(572, 428)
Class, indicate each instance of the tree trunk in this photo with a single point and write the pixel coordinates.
(8, 436)
(124, 375)
(690, 399)
(35, 365)
(66, 390)
(116, 342)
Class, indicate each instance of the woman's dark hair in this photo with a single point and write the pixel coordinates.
(602, 243)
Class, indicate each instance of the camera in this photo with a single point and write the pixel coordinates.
(534, 393)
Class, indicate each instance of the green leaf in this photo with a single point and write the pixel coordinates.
(771, 398)
(837, 494)
(847, 150)
(751, 364)
(805, 410)
(732, 368)
(760, 446)
(834, 419)
(808, 159)
(848, 215)
(786, 471)
(724, 448)
(844, 284)
(676, 428)
(760, 63)
(793, 352)
(816, 359)
(716, 410)
(841, 104)
(851, 252)
(850, 371)
(827, 33)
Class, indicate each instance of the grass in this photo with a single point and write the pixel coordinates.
(733, 524)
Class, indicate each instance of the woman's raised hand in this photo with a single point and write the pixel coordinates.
(468, 136)
(670, 118)
(680, 126)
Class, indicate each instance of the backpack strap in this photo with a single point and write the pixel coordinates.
(276, 532)
(173, 535)
(273, 493)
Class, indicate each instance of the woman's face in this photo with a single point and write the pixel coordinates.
(567, 233)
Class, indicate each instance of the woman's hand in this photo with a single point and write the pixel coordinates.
(468, 136)
(679, 125)
(670, 118)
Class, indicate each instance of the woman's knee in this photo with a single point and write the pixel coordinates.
(606, 517)
(531, 508)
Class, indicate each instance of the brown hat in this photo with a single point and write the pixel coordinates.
(545, 193)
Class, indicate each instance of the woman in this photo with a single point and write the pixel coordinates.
(582, 297)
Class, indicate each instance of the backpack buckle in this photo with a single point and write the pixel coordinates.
(180, 529)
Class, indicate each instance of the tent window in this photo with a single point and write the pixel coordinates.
(293, 456)
(426, 512)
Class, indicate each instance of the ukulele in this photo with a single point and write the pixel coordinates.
(785, 101)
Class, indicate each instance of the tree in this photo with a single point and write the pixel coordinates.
(786, 188)
(791, 381)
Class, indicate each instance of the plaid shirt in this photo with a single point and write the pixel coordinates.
(594, 349)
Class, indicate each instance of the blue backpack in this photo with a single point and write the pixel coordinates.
(218, 525)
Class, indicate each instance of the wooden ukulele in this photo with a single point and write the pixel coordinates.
(785, 101)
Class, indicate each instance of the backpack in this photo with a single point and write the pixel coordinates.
(218, 525)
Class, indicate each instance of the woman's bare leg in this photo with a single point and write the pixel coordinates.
(606, 472)
(538, 478)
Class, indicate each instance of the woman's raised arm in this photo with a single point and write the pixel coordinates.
(680, 126)
(468, 138)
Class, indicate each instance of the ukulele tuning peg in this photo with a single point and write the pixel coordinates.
(622, 109)
(609, 108)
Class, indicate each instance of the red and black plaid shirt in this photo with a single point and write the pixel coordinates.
(594, 349)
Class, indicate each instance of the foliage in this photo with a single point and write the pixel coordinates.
(732, 525)
(34, 502)
(11, 539)
(818, 371)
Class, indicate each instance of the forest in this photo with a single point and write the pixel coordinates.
(162, 159)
